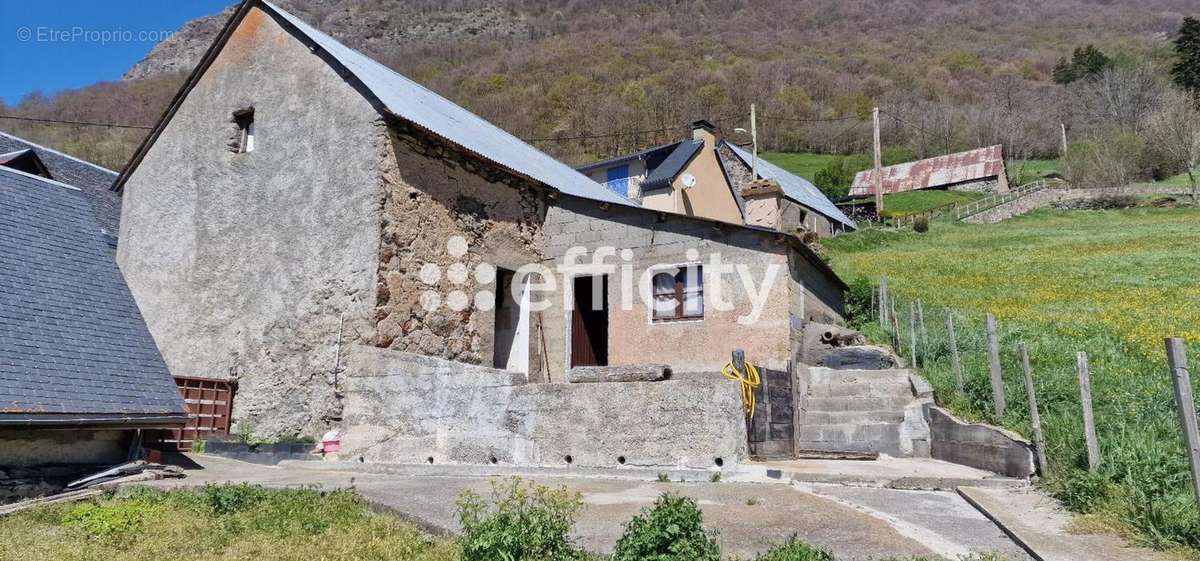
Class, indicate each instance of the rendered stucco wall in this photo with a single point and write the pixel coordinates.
(690, 345)
(406, 408)
(252, 266)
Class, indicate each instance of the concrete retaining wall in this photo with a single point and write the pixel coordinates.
(407, 408)
(979, 446)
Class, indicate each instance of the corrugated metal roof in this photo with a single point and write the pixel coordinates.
(933, 172)
(662, 175)
(413, 102)
(794, 187)
(73, 345)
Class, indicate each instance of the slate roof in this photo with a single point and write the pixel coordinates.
(663, 175)
(95, 181)
(74, 349)
(442, 117)
(933, 172)
(794, 187)
(652, 156)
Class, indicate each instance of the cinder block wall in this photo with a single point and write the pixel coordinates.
(407, 408)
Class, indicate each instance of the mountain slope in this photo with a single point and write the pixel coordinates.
(963, 72)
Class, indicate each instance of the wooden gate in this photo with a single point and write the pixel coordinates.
(771, 429)
(209, 405)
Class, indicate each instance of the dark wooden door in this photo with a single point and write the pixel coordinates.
(589, 322)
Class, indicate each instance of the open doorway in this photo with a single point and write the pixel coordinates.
(589, 322)
(512, 322)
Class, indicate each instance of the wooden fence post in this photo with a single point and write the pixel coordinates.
(955, 363)
(912, 331)
(924, 332)
(895, 324)
(994, 365)
(883, 302)
(1035, 418)
(1089, 420)
(1177, 360)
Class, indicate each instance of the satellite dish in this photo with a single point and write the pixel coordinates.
(689, 181)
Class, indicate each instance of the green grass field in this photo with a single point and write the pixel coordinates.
(1111, 283)
(912, 202)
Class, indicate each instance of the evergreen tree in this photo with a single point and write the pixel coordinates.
(1085, 62)
(1186, 71)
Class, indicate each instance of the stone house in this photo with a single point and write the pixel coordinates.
(360, 253)
(710, 177)
(80, 376)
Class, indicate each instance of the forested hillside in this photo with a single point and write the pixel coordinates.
(948, 73)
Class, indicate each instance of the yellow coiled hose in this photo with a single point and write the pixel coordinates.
(749, 381)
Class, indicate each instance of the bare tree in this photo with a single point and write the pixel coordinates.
(1175, 129)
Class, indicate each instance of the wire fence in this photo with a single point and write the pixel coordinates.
(1012, 375)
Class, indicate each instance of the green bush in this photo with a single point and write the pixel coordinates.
(525, 522)
(921, 224)
(671, 530)
(795, 550)
(859, 296)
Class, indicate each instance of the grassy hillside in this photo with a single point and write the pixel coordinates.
(1111, 283)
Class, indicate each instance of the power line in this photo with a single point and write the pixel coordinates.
(814, 120)
(944, 138)
(82, 123)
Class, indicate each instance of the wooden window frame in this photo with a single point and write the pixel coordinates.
(679, 294)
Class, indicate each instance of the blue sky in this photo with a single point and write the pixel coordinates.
(54, 45)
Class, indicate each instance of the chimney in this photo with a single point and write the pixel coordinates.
(764, 203)
(706, 131)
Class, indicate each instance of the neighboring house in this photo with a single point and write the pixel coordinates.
(980, 170)
(707, 176)
(360, 253)
(95, 181)
(79, 373)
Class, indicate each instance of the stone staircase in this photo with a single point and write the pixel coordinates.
(865, 411)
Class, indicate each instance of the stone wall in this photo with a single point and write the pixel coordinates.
(1065, 199)
(41, 462)
(406, 408)
(253, 265)
(986, 185)
(434, 195)
(979, 446)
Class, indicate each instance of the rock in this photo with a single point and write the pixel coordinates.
(864, 357)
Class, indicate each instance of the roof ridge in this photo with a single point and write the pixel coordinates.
(429, 110)
(56, 152)
(39, 178)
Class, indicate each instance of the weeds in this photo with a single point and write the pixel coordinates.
(524, 521)
(671, 530)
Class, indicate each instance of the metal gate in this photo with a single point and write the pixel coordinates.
(209, 404)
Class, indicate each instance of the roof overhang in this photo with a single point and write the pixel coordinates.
(98, 420)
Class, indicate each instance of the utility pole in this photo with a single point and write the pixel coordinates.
(1063, 127)
(878, 167)
(754, 139)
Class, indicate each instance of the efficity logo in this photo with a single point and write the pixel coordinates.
(692, 286)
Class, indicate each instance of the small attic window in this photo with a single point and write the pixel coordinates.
(243, 141)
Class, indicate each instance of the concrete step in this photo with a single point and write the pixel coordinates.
(861, 389)
(832, 404)
(819, 376)
(877, 437)
(853, 417)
